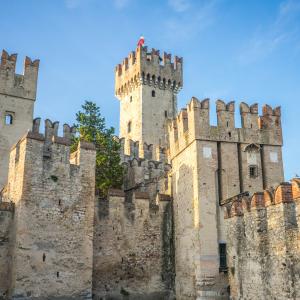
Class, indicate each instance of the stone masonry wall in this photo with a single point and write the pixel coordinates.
(17, 97)
(263, 252)
(145, 168)
(54, 216)
(133, 248)
(6, 221)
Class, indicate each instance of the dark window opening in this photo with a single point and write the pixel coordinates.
(44, 257)
(129, 127)
(251, 125)
(153, 93)
(8, 119)
(227, 124)
(59, 202)
(166, 114)
(130, 99)
(223, 259)
(229, 133)
(57, 274)
(253, 171)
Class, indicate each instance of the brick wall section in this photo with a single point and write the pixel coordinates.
(54, 214)
(262, 242)
(133, 248)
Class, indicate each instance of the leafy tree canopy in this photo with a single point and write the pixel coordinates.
(91, 128)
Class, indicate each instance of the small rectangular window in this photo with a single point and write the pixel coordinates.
(166, 114)
(9, 119)
(223, 258)
(253, 171)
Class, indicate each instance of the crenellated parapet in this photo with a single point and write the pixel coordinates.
(134, 149)
(262, 236)
(244, 203)
(145, 167)
(148, 68)
(50, 145)
(193, 123)
(18, 85)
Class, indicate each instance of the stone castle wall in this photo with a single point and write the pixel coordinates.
(17, 97)
(6, 222)
(263, 243)
(52, 251)
(210, 164)
(146, 168)
(133, 247)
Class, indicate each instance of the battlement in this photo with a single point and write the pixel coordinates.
(51, 132)
(50, 145)
(140, 151)
(148, 68)
(18, 85)
(193, 123)
(242, 203)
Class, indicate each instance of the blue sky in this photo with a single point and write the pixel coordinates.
(233, 50)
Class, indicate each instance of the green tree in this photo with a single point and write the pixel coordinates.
(91, 128)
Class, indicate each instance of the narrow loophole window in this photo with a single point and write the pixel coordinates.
(166, 113)
(130, 99)
(153, 93)
(57, 274)
(44, 257)
(129, 127)
(8, 119)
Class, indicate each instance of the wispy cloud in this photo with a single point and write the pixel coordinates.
(120, 4)
(179, 5)
(192, 20)
(277, 33)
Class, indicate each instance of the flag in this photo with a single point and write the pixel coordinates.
(141, 41)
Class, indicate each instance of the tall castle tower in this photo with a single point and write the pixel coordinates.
(17, 97)
(147, 85)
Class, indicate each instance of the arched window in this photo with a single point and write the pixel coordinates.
(153, 93)
(9, 119)
(129, 127)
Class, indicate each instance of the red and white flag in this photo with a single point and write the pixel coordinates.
(141, 41)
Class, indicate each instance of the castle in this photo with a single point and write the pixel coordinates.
(204, 212)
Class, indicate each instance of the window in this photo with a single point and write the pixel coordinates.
(8, 119)
(223, 260)
(253, 171)
(153, 93)
(129, 127)
(166, 114)
(130, 99)
(44, 257)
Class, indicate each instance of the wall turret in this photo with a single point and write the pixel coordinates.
(147, 85)
(17, 98)
(18, 85)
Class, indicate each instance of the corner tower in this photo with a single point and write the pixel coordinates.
(17, 97)
(147, 85)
